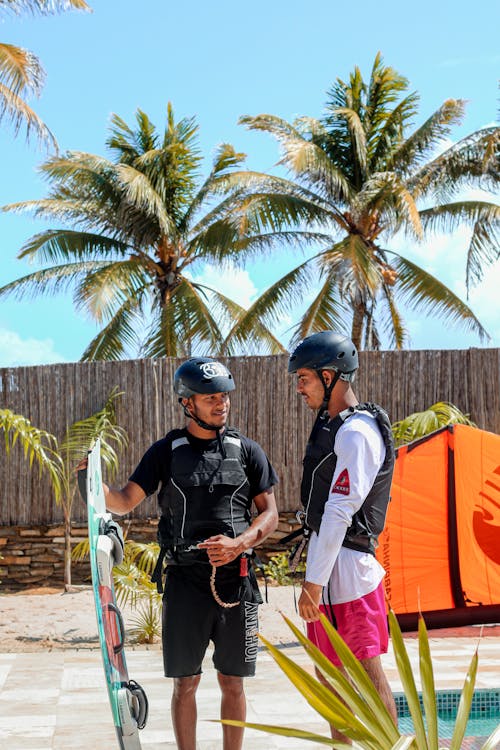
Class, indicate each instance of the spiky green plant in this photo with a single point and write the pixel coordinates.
(145, 624)
(422, 423)
(362, 174)
(361, 715)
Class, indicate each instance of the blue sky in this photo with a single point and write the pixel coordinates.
(217, 61)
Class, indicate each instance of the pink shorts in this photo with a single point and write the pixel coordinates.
(362, 624)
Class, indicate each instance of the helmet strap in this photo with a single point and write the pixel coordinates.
(205, 426)
(327, 389)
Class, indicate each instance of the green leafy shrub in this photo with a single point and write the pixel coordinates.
(278, 569)
(133, 586)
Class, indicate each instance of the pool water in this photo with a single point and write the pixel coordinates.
(483, 719)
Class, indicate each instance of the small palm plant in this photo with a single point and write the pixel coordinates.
(38, 445)
(133, 586)
(59, 458)
(358, 712)
(422, 423)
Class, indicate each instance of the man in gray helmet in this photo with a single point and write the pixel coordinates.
(346, 482)
(208, 475)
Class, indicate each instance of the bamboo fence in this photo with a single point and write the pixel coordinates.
(264, 406)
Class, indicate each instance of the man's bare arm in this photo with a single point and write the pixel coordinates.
(124, 500)
(223, 549)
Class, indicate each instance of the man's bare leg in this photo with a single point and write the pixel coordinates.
(336, 735)
(233, 706)
(373, 667)
(184, 712)
(377, 675)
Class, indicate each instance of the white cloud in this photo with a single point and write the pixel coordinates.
(233, 282)
(16, 351)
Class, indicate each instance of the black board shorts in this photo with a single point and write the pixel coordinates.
(192, 618)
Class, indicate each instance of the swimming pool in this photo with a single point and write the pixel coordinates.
(483, 719)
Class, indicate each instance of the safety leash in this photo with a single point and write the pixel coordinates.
(243, 574)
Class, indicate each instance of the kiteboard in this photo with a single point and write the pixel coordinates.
(128, 701)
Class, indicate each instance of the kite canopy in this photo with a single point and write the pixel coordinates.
(441, 543)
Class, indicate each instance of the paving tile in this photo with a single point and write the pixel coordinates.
(58, 700)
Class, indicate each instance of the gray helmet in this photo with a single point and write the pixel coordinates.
(327, 350)
(202, 375)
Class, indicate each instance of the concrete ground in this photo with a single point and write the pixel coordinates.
(57, 700)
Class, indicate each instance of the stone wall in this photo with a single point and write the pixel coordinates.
(34, 556)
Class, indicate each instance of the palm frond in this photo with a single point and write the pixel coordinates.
(256, 337)
(422, 291)
(420, 145)
(20, 70)
(282, 200)
(274, 303)
(144, 555)
(387, 133)
(145, 624)
(393, 323)
(142, 196)
(16, 111)
(111, 286)
(277, 126)
(37, 445)
(471, 161)
(225, 161)
(326, 312)
(56, 245)
(117, 337)
(102, 424)
(422, 423)
(50, 281)
(384, 195)
(42, 7)
(356, 265)
(484, 245)
(129, 144)
(358, 136)
(183, 324)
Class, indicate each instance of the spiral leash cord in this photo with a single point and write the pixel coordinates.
(226, 605)
(243, 574)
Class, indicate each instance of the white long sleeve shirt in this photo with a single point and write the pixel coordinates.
(345, 573)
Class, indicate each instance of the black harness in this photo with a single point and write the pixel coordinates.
(319, 468)
(207, 493)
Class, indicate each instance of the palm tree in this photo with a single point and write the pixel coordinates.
(363, 179)
(59, 458)
(21, 73)
(142, 222)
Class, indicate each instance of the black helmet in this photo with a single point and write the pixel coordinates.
(202, 375)
(327, 350)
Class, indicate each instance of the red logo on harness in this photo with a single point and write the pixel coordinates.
(342, 485)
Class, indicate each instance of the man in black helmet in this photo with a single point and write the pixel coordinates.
(345, 490)
(208, 475)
